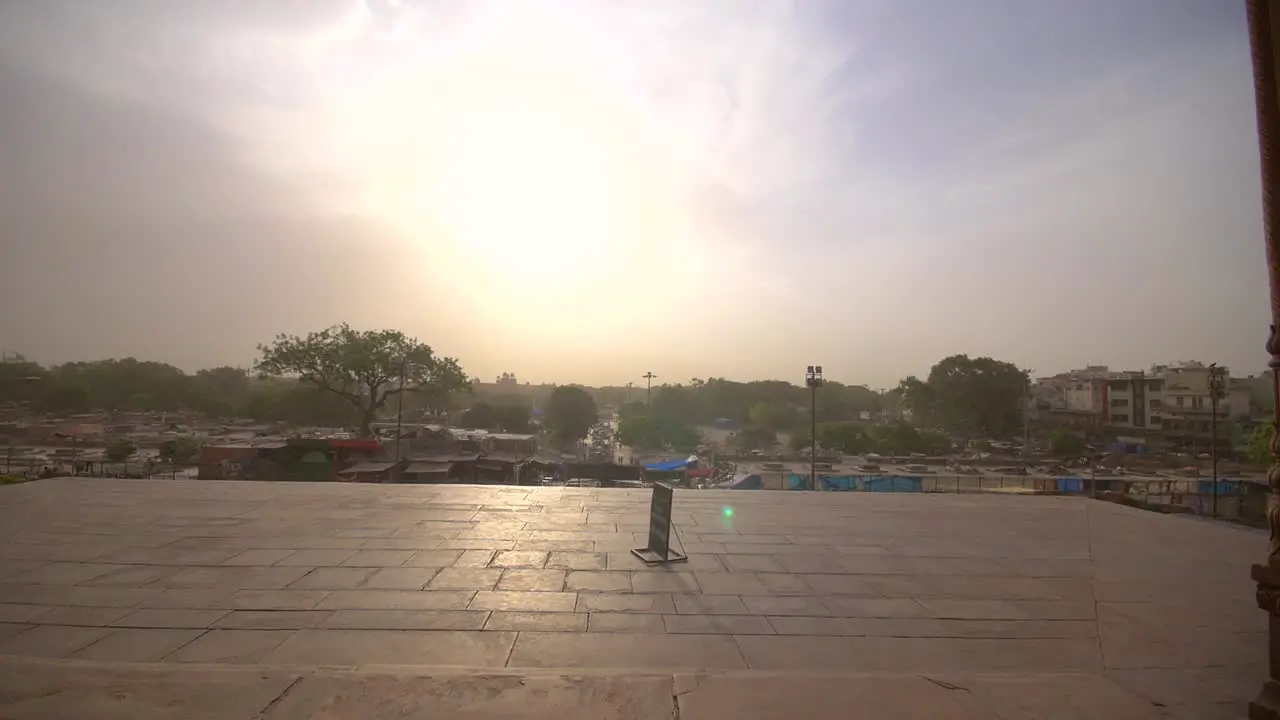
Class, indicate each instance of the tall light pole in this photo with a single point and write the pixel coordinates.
(629, 393)
(1026, 422)
(648, 391)
(813, 378)
(1217, 383)
(399, 417)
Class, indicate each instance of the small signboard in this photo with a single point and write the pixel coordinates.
(659, 548)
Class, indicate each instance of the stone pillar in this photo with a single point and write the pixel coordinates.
(1264, 29)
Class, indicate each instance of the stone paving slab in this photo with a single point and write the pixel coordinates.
(48, 690)
(332, 574)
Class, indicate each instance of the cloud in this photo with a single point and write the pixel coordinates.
(872, 185)
(131, 231)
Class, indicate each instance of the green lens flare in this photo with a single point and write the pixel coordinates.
(728, 512)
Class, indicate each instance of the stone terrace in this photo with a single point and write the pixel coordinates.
(1076, 597)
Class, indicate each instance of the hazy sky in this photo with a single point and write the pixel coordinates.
(583, 191)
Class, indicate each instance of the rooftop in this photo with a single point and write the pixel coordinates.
(973, 606)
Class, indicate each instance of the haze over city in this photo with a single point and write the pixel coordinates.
(586, 191)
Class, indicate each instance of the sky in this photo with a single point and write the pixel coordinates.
(584, 191)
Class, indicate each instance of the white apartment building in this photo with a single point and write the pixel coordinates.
(1133, 401)
(1169, 403)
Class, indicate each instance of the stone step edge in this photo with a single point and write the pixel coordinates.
(495, 673)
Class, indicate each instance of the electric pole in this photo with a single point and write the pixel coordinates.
(648, 392)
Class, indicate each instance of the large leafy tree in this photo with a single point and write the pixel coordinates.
(22, 380)
(963, 395)
(508, 417)
(300, 403)
(850, 438)
(754, 437)
(570, 413)
(1259, 444)
(646, 433)
(978, 395)
(918, 397)
(775, 416)
(639, 431)
(363, 368)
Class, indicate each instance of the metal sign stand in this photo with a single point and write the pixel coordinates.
(659, 550)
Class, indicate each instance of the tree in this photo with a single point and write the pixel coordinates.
(844, 437)
(1260, 444)
(681, 437)
(500, 418)
(933, 442)
(180, 450)
(65, 397)
(632, 409)
(640, 432)
(570, 413)
(968, 396)
(801, 441)
(917, 397)
(1066, 443)
(480, 416)
(361, 367)
(754, 437)
(299, 403)
(121, 449)
(774, 415)
(646, 433)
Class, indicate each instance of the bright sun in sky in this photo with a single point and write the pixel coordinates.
(528, 184)
(531, 164)
(534, 172)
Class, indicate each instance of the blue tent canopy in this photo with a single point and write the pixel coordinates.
(670, 465)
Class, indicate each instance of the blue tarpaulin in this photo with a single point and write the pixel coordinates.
(749, 482)
(865, 483)
(1225, 487)
(670, 465)
(892, 483)
(1070, 485)
(839, 483)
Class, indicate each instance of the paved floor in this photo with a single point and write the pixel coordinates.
(1026, 601)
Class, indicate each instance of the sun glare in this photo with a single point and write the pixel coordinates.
(537, 171)
(528, 190)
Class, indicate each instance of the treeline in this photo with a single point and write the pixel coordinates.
(131, 385)
(961, 396)
(342, 377)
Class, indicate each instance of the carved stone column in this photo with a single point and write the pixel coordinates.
(1264, 29)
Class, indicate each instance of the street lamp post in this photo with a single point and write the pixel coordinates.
(399, 418)
(813, 378)
(1216, 386)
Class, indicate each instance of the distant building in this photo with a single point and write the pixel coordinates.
(1187, 407)
(1168, 406)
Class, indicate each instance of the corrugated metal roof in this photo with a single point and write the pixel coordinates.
(445, 457)
(367, 467)
(503, 457)
(426, 468)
